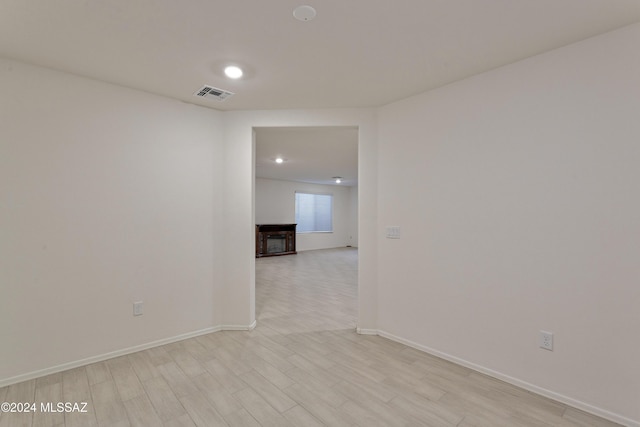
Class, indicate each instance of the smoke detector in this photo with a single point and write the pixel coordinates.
(211, 92)
(304, 13)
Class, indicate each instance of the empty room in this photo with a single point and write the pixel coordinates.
(476, 265)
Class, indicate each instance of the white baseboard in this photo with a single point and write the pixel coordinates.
(616, 418)
(362, 331)
(99, 358)
(250, 327)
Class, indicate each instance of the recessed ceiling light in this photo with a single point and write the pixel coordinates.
(279, 160)
(338, 179)
(233, 72)
(304, 13)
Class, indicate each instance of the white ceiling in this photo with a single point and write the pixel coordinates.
(312, 155)
(356, 53)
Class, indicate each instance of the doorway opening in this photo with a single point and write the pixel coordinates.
(323, 275)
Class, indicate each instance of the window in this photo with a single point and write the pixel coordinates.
(314, 212)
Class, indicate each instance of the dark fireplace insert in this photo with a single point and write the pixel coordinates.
(275, 239)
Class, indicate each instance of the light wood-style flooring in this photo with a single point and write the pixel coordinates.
(303, 365)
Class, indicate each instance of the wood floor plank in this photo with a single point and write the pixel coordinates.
(128, 383)
(367, 416)
(298, 416)
(197, 350)
(163, 399)
(232, 360)
(280, 350)
(269, 392)
(583, 419)
(241, 418)
(187, 363)
(158, 355)
(48, 380)
(76, 390)
(310, 353)
(141, 412)
(474, 406)
(260, 409)
(143, 365)
(217, 394)
(271, 357)
(201, 412)
(352, 364)
(321, 410)
(401, 384)
(182, 421)
(48, 392)
(177, 380)
(108, 406)
(231, 382)
(270, 372)
(426, 411)
(320, 388)
(19, 393)
(98, 372)
(378, 389)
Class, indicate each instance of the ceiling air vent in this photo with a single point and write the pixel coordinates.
(211, 92)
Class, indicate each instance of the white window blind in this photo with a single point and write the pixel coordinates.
(314, 212)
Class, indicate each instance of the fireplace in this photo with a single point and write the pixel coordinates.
(275, 239)
(276, 243)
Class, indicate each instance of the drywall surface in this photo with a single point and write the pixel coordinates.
(353, 216)
(107, 196)
(517, 196)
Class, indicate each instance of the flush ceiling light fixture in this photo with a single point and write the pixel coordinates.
(304, 13)
(233, 72)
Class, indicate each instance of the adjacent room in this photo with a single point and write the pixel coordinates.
(301, 166)
(479, 266)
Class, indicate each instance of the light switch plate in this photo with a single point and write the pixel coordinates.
(393, 232)
(137, 308)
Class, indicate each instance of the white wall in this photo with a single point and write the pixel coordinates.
(275, 204)
(518, 196)
(107, 196)
(353, 216)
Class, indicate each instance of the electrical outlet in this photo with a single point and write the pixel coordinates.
(137, 308)
(546, 340)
